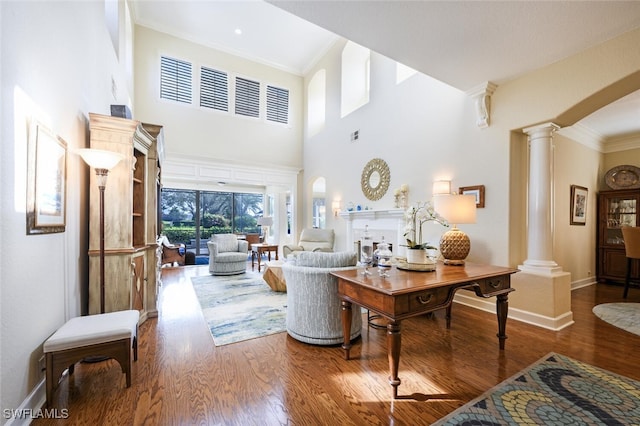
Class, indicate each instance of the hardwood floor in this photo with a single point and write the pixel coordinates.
(181, 378)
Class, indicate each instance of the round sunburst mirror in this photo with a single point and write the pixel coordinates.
(375, 179)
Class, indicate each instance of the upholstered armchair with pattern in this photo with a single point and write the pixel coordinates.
(227, 254)
(314, 310)
(311, 239)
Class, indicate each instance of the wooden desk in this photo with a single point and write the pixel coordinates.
(405, 294)
(258, 249)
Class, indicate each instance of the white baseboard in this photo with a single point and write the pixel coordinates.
(31, 407)
(586, 282)
(489, 305)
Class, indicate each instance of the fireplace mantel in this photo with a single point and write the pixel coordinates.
(382, 223)
(373, 214)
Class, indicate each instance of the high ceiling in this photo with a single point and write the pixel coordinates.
(462, 43)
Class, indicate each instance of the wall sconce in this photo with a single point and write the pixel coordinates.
(335, 206)
(455, 244)
(441, 187)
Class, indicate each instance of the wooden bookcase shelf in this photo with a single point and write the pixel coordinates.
(132, 263)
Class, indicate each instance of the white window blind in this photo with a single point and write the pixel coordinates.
(277, 104)
(214, 89)
(175, 80)
(247, 97)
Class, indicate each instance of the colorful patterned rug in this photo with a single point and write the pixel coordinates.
(622, 315)
(556, 390)
(240, 307)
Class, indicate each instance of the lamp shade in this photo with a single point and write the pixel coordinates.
(265, 221)
(100, 159)
(456, 209)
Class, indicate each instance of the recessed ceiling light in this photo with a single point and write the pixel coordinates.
(238, 31)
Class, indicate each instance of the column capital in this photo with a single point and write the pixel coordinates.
(546, 129)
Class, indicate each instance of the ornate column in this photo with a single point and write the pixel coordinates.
(540, 208)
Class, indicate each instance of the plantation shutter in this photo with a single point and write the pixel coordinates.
(247, 97)
(277, 105)
(214, 89)
(175, 80)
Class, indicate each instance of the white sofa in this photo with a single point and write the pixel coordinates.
(314, 310)
(311, 239)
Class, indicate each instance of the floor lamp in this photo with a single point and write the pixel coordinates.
(102, 162)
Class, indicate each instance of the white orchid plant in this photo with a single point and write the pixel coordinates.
(416, 216)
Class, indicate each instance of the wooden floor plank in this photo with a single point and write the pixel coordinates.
(182, 378)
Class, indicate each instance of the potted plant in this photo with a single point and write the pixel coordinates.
(416, 216)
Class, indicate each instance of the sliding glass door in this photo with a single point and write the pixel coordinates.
(191, 216)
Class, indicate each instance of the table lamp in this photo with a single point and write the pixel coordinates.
(265, 223)
(455, 244)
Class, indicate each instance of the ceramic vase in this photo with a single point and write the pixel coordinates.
(417, 256)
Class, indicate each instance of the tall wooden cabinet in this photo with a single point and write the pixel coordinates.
(130, 215)
(615, 209)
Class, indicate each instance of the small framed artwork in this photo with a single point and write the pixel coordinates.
(46, 181)
(477, 191)
(578, 205)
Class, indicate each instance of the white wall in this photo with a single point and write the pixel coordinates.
(204, 133)
(425, 130)
(57, 65)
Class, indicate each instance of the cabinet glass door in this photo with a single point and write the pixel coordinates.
(621, 211)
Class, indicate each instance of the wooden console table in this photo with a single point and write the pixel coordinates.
(405, 294)
(258, 249)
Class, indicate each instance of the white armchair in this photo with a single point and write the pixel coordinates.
(227, 254)
(311, 239)
(314, 309)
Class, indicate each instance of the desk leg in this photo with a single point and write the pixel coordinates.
(502, 309)
(253, 258)
(393, 351)
(346, 327)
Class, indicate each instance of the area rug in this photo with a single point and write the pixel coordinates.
(622, 315)
(240, 307)
(556, 390)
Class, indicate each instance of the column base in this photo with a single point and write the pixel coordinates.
(542, 267)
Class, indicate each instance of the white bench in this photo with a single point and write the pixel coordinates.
(111, 335)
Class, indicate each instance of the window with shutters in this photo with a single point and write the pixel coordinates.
(277, 104)
(214, 89)
(175, 80)
(247, 97)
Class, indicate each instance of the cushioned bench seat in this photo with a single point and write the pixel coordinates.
(112, 335)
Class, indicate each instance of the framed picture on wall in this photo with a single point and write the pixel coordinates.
(578, 205)
(46, 181)
(477, 191)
